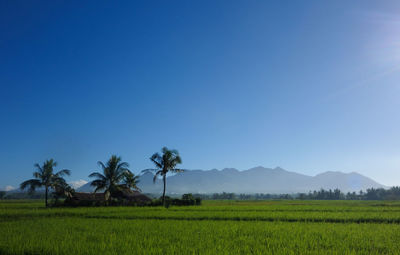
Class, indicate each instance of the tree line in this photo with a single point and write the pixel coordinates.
(114, 178)
(322, 194)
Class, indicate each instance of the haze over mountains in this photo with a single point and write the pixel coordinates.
(254, 180)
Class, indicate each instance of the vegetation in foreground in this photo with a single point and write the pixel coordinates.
(217, 227)
(115, 180)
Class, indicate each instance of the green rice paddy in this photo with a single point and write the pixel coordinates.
(216, 227)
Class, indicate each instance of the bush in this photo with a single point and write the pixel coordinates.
(186, 200)
(2, 194)
(187, 196)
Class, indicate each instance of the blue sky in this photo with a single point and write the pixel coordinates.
(310, 86)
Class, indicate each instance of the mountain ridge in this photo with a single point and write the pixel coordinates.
(254, 180)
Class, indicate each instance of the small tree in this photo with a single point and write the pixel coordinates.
(62, 190)
(2, 194)
(131, 181)
(45, 177)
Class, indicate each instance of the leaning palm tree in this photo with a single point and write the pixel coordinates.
(165, 163)
(110, 180)
(131, 181)
(45, 177)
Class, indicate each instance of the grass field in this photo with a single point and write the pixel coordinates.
(217, 227)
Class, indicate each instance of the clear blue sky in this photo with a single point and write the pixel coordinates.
(310, 86)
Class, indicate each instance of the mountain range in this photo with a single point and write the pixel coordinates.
(254, 180)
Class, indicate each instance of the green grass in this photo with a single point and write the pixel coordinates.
(217, 227)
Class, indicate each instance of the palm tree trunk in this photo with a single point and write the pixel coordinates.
(46, 194)
(163, 195)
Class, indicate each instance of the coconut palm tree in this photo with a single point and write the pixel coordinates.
(45, 177)
(110, 180)
(165, 163)
(62, 189)
(131, 181)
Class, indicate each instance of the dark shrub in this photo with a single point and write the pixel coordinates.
(188, 196)
(186, 200)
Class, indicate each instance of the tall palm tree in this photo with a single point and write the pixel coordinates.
(114, 172)
(131, 181)
(45, 177)
(165, 163)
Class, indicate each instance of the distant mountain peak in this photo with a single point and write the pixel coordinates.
(336, 173)
(229, 170)
(257, 168)
(77, 184)
(329, 173)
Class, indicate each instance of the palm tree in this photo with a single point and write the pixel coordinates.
(114, 172)
(62, 189)
(165, 163)
(131, 181)
(45, 177)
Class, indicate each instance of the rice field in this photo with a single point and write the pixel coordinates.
(216, 227)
